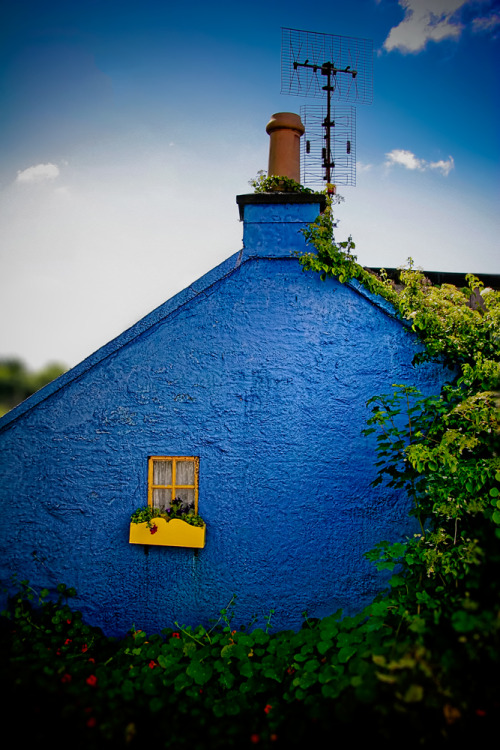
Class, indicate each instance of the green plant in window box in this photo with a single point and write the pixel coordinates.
(175, 526)
(177, 509)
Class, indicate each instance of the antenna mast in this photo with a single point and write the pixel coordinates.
(328, 70)
(314, 63)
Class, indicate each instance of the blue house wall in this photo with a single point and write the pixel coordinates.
(261, 370)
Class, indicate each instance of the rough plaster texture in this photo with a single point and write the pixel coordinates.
(261, 370)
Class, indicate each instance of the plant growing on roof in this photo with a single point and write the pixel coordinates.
(276, 184)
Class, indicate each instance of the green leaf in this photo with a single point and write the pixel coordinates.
(200, 672)
(150, 686)
(272, 674)
(227, 651)
(155, 705)
(414, 694)
(331, 690)
(324, 646)
(346, 653)
(246, 669)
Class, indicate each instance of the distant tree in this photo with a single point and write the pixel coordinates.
(17, 382)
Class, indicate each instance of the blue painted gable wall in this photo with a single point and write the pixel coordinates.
(262, 371)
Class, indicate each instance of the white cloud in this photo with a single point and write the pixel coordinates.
(425, 20)
(404, 158)
(38, 173)
(444, 166)
(486, 23)
(408, 160)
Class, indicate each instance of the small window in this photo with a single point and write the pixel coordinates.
(171, 478)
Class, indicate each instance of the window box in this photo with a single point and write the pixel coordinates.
(173, 533)
(170, 519)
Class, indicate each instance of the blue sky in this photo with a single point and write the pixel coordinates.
(128, 128)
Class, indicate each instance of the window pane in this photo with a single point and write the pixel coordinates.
(184, 472)
(186, 496)
(161, 499)
(162, 472)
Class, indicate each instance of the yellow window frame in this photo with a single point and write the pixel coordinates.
(173, 486)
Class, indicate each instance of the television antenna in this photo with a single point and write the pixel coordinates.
(315, 64)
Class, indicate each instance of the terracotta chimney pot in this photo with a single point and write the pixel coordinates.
(285, 130)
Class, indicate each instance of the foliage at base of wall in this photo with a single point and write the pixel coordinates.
(336, 679)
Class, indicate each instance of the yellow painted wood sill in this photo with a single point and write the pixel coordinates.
(174, 533)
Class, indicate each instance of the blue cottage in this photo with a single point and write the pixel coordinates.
(245, 394)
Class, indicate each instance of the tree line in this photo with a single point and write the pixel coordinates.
(17, 382)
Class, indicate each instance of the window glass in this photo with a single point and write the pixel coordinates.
(162, 498)
(186, 496)
(171, 477)
(162, 472)
(184, 472)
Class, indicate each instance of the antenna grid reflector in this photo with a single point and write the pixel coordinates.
(305, 53)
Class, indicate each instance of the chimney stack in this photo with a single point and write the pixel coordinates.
(285, 130)
(272, 221)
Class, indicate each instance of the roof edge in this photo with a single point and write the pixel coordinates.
(197, 288)
(376, 299)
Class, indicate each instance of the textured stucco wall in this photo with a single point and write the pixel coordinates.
(265, 377)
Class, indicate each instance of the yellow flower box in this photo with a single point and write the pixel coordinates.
(174, 533)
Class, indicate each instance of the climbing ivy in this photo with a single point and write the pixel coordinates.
(442, 450)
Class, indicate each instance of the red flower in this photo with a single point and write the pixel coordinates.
(66, 678)
(152, 664)
(69, 622)
(267, 708)
(84, 648)
(254, 738)
(91, 722)
(92, 680)
(67, 641)
(91, 659)
(176, 635)
(153, 529)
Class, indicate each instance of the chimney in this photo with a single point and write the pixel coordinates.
(285, 130)
(272, 222)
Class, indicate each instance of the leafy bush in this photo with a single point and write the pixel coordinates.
(356, 678)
